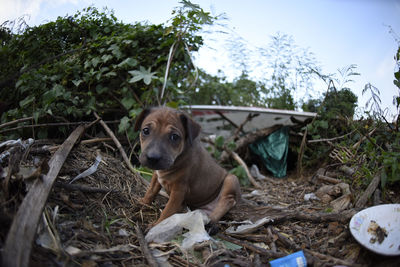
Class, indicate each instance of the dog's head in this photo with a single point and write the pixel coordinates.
(164, 134)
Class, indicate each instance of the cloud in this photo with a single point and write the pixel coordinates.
(13, 9)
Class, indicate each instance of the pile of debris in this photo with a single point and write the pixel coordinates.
(78, 204)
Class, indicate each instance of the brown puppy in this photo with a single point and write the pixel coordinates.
(170, 146)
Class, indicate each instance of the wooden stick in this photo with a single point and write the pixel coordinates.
(250, 246)
(330, 139)
(228, 120)
(120, 148)
(301, 154)
(6, 124)
(286, 241)
(123, 154)
(18, 244)
(55, 124)
(145, 249)
(369, 191)
(328, 179)
(239, 160)
(329, 258)
(83, 188)
(243, 164)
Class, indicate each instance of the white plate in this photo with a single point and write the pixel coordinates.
(387, 217)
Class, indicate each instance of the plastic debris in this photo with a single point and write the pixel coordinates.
(256, 173)
(310, 196)
(248, 227)
(169, 228)
(89, 171)
(296, 259)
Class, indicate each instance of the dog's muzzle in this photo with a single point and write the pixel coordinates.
(155, 159)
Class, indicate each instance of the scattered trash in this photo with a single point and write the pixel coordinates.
(89, 171)
(255, 172)
(169, 228)
(380, 223)
(123, 232)
(247, 226)
(296, 259)
(378, 233)
(310, 196)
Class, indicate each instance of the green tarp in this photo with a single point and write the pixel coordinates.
(274, 150)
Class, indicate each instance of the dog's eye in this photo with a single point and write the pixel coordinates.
(174, 137)
(146, 131)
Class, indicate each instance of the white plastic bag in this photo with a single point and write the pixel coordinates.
(169, 228)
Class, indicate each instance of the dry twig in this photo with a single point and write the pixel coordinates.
(18, 244)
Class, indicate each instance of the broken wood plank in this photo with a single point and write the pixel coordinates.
(18, 245)
(328, 179)
(145, 248)
(363, 199)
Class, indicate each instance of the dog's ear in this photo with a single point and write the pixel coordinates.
(192, 128)
(140, 118)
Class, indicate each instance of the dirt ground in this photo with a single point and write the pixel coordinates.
(91, 222)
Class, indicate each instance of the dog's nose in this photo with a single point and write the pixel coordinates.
(153, 158)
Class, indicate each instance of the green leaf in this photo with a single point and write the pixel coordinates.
(58, 90)
(128, 102)
(115, 51)
(173, 104)
(36, 116)
(29, 99)
(219, 141)
(77, 82)
(111, 74)
(100, 89)
(142, 74)
(123, 125)
(49, 97)
(18, 84)
(129, 62)
(106, 58)
(95, 61)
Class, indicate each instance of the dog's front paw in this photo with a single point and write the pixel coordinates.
(144, 201)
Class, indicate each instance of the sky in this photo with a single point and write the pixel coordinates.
(338, 32)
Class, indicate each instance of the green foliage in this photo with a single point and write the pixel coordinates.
(335, 114)
(215, 90)
(90, 62)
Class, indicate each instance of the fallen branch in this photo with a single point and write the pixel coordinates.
(243, 164)
(123, 154)
(238, 159)
(145, 248)
(250, 246)
(252, 137)
(55, 124)
(330, 139)
(301, 154)
(18, 245)
(249, 117)
(369, 191)
(6, 124)
(83, 188)
(229, 120)
(120, 148)
(328, 179)
(329, 258)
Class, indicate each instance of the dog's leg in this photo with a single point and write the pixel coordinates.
(174, 204)
(152, 191)
(230, 194)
